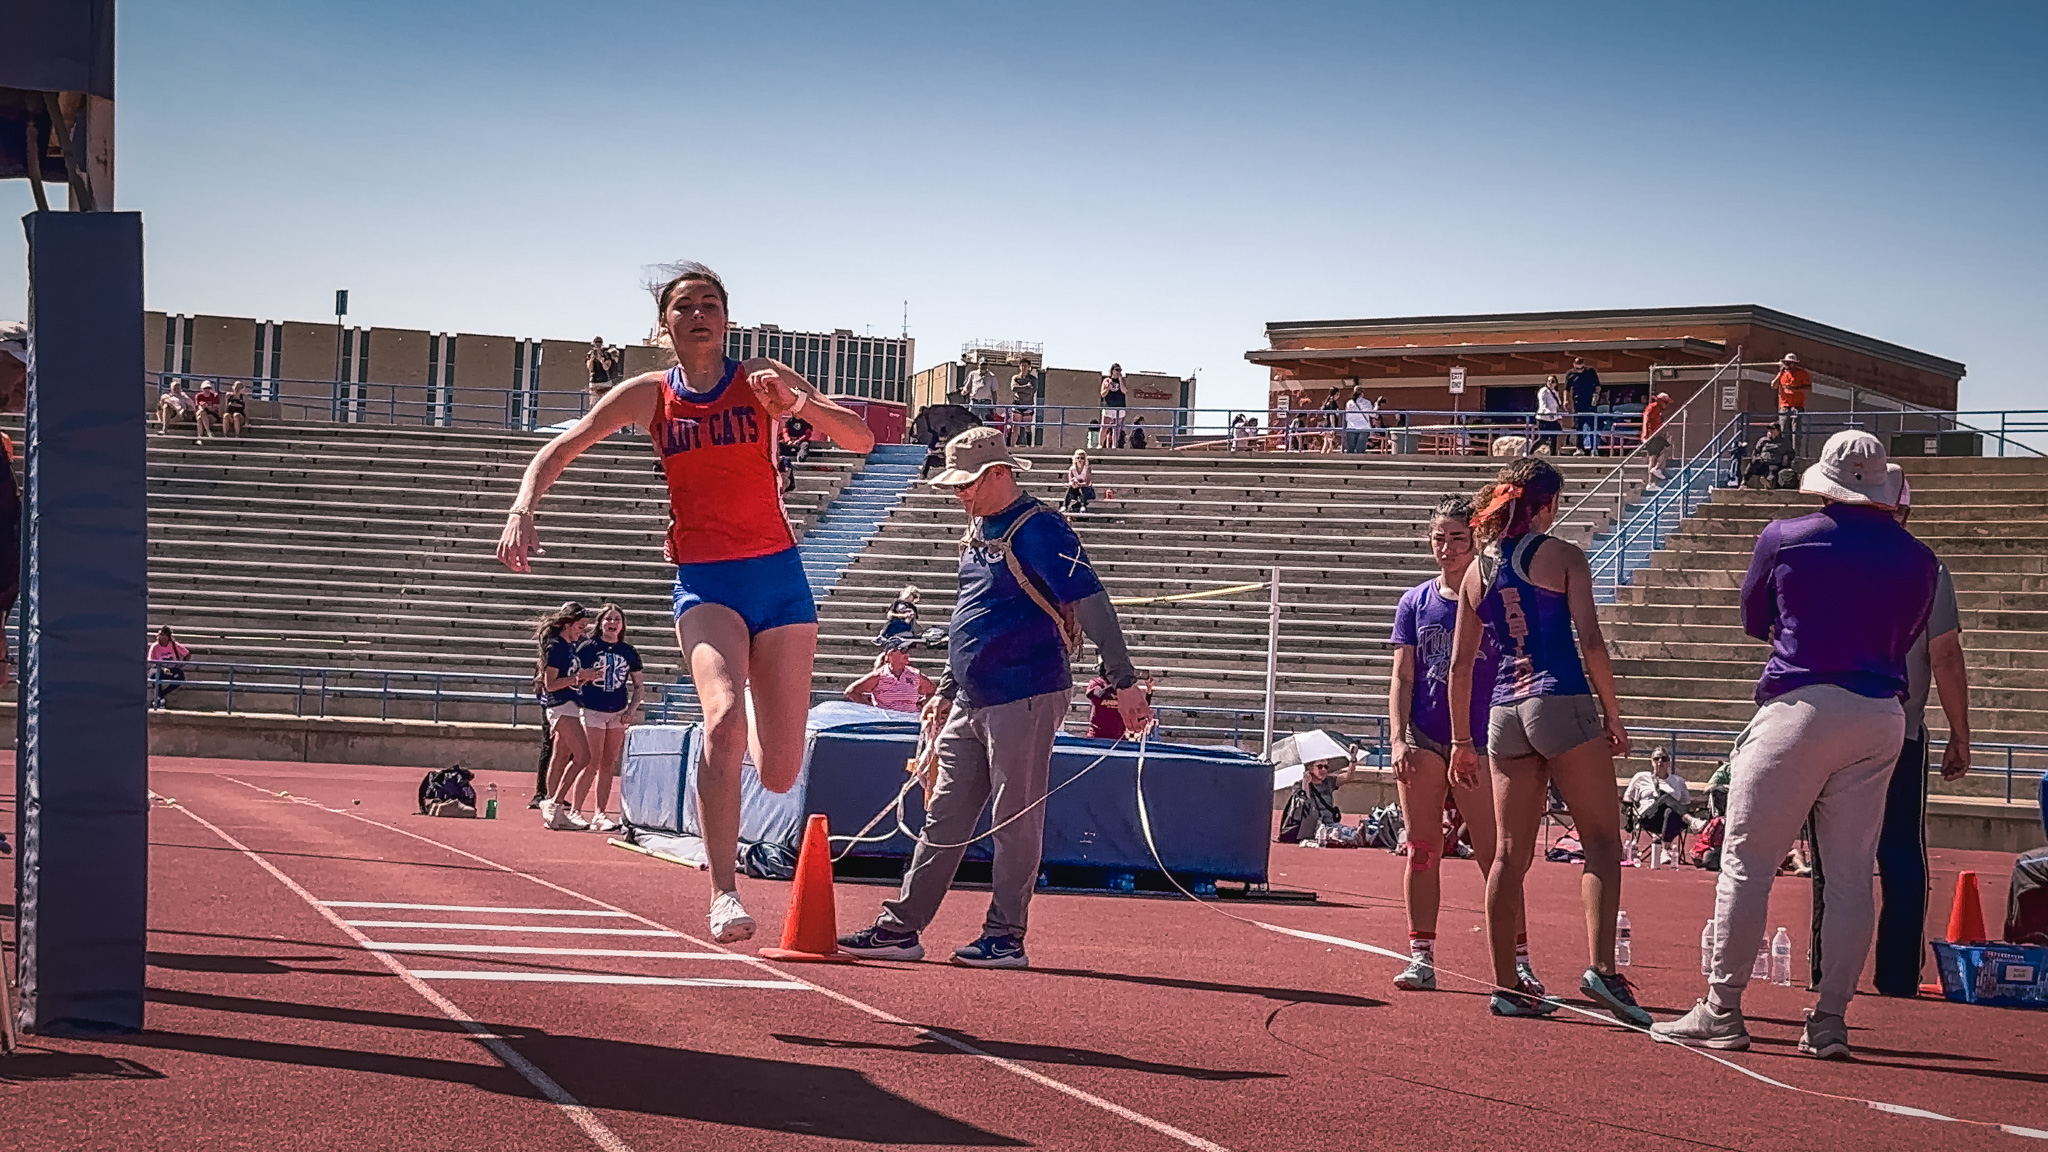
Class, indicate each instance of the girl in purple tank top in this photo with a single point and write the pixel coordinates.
(1554, 719)
(1418, 706)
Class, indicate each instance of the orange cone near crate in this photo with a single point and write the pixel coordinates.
(1966, 915)
(810, 930)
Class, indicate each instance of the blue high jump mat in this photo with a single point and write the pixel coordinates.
(1211, 807)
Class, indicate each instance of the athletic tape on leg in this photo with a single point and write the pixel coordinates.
(1145, 824)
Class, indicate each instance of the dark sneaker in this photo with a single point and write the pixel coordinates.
(879, 943)
(1826, 1036)
(1617, 995)
(992, 952)
(1505, 1003)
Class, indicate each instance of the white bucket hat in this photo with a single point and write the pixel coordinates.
(14, 339)
(1853, 470)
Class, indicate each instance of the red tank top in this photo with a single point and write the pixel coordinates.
(717, 449)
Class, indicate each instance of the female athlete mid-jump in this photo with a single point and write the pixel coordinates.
(744, 614)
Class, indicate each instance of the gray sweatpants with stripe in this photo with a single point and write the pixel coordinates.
(1825, 750)
(1004, 752)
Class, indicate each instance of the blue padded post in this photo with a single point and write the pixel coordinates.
(84, 755)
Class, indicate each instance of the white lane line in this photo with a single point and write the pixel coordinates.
(603, 978)
(446, 927)
(1139, 1118)
(525, 950)
(574, 1109)
(470, 908)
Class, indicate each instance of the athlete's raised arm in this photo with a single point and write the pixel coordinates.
(784, 392)
(628, 403)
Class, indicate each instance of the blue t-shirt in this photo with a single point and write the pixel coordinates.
(1840, 594)
(1004, 646)
(1426, 621)
(617, 662)
(561, 661)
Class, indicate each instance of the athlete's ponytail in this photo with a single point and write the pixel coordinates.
(1520, 493)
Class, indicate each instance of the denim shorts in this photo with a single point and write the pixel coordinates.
(767, 591)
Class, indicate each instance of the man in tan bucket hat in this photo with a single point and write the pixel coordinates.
(1840, 595)
(1027, 596)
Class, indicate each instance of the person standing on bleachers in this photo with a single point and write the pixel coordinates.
(1359, 412)
(1840, 595)
(1935, 660)
(1584, 386)
(1549, 421)
(1028, 594)
(746, 623)
(1794, 386)
(1113, 403)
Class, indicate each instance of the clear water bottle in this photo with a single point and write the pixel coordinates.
(1761, 970)
(1781, 958)
(491, 802)
(1707, 948)
(1621, 941)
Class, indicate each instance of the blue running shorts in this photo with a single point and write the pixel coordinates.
(767, 591)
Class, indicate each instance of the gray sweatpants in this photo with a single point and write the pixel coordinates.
(1821, 749)
(1004, 751)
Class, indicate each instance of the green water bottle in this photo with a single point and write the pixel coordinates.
(491, 803)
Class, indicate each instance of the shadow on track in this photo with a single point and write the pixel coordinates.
(618, 1075)
(1031, 1054)
(1289, 995)
(33, 1065)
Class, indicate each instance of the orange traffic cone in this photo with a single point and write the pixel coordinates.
(810, 929)
(1966, 915)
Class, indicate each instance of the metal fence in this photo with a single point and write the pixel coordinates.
(400, 405)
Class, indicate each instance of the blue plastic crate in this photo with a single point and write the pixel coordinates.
(2000, 975)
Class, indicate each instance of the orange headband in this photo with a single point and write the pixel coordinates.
(1502, 495)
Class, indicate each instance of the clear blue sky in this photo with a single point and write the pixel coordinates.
(1147, 183)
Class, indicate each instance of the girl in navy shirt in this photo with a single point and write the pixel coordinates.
(558, 681)
(610, 703)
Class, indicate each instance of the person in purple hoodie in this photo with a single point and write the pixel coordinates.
(1840, 595)
(1419, 714)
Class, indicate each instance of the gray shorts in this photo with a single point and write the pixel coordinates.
(1417, 738)
(1543, 726)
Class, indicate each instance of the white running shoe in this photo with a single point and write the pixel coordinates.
(565, 819)
(547, 812)
(603, 823)
(730, 923)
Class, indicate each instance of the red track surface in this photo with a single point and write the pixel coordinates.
(269, 1026)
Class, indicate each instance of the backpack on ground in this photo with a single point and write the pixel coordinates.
(447, 792)
(1706, 845)
(1382, 828)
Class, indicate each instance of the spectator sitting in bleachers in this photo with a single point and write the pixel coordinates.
(893, 683)
(206, 410)
(175, 404)
(901, 623)
(234, 419)
(1080, 484)
(167, 660)
(1770, 461)
(1655, 803)
(1137, 438)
